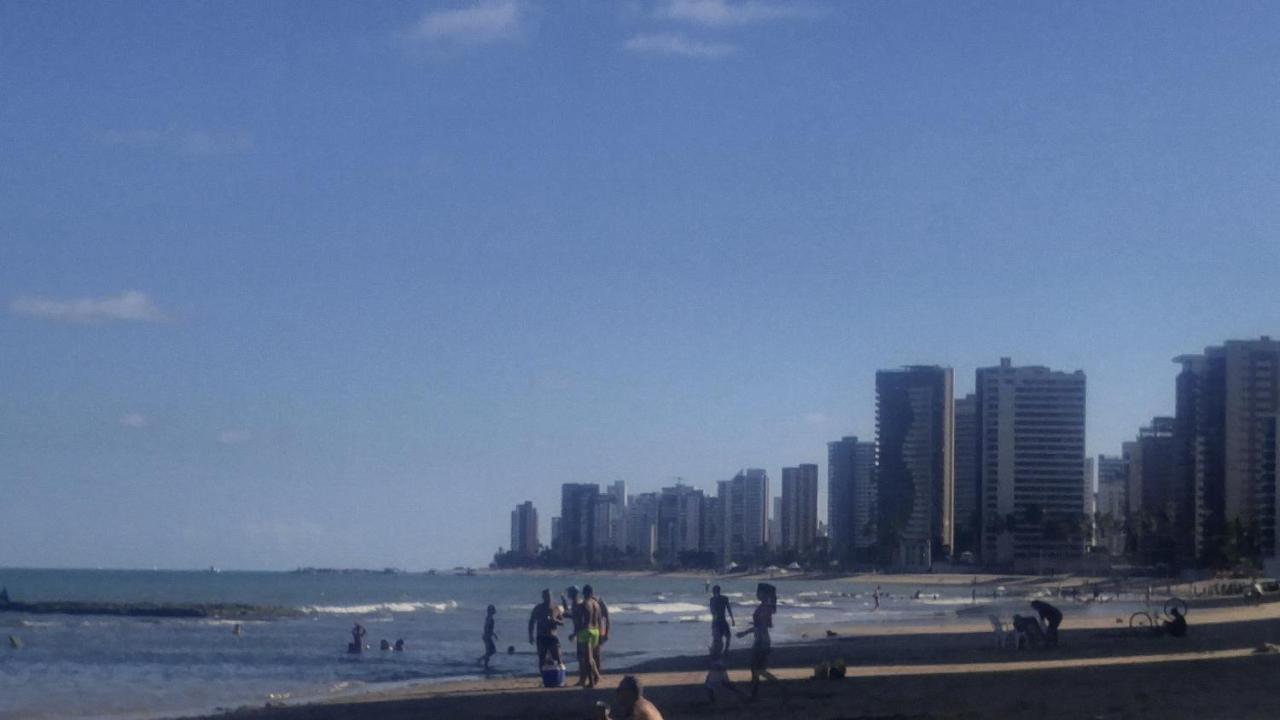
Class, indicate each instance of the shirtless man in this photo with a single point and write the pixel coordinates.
(719, 624)
(588, 628)
(545, 620)
(631, 703)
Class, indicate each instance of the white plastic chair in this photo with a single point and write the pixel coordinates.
(1005, 636)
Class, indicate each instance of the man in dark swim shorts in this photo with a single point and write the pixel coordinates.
(719, 625)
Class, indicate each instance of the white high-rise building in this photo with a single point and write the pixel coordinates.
(744, 512)
(1031, 425)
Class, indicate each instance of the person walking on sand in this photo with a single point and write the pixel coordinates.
(761, 621)
(543, 623)
(720, 607)
(490, 637)
(875, 597)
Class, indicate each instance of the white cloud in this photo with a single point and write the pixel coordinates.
(483, 22)
(817, 419)
(191, 141)
(680, 45)
(721, 13)
(133, 420)
(233, 437)
(131, 306)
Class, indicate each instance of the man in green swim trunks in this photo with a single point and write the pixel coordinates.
(587, 625)
(589, 641)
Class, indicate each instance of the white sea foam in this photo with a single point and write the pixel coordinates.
(801, 616)
(660, 608)
(392, 607)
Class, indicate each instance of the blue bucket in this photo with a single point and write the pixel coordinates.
(553, 677)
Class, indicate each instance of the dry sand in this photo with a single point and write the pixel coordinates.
(1101, 670)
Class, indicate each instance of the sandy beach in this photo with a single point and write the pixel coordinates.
(1101, 670)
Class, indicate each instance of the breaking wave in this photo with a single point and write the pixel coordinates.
(391, 607)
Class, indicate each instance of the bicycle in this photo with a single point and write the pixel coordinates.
(1144, 622)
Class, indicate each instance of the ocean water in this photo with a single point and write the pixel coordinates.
(104, 667)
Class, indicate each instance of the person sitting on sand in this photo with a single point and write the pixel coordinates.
(1052, 617)
(632, 704)
(1177, 625)
(490, 637)
(720, 607)
(761, 621)
(357, 639)
(544, 621)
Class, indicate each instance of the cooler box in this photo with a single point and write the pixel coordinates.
(553, 677)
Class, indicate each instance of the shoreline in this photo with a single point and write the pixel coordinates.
(892, 663)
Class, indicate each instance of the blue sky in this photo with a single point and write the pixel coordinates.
(340, 284)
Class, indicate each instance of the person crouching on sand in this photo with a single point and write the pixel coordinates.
(761, 621)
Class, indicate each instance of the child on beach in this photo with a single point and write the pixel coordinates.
(718, 673)
(490, 637)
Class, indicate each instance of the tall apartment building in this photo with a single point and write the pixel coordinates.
(744, 515)
(712, 539)
(642, 526)
(1226, 397)
(524, 530)
(915, 439)
(968, 513)
(679, 522)
(773, 536)
(1112, 504)
(851, 497)
(1031, 425)
(577, 522)
(799, 524)
(1155, 503)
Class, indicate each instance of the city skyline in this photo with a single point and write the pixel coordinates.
(316, 286)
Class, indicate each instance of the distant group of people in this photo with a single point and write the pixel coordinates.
(357, 646)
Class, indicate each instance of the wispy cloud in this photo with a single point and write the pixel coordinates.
(721, 13)
(483, 22)
(233, 437)
(131, 306)
(679, 45)
(133, 420)
(816, 419)
(194, 142)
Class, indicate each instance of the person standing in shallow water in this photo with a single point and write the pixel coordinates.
(357, 639)
(720, 607)
(490, 637)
